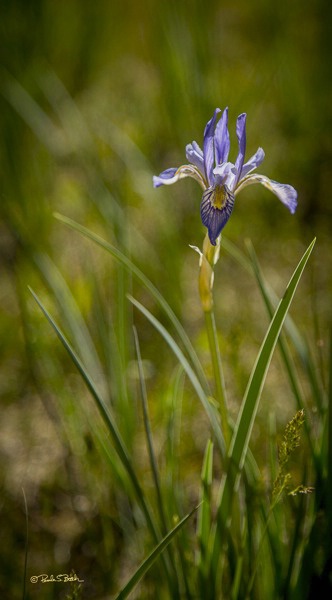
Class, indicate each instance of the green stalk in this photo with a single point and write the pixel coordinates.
(211, 330)
(208, 259)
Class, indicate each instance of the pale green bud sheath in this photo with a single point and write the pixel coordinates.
(209, 257)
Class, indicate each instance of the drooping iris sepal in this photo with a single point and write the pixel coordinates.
(216, 208)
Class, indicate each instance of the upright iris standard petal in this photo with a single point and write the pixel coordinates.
(221, 139)
(241, 136)
(253, 162)
(208, 147)
(195, 155)
(216, 208)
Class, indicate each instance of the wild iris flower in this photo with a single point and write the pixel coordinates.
(220, 179)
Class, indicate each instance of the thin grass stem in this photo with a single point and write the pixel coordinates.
(148, 433)
(220, 389)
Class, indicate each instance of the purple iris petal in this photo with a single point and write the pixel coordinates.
(286, 193)
(223, 172)
(208, 147)
(221, 139)
(195, 155)
(215, 214)
(163, 177)
(253, 162)
(241, 136)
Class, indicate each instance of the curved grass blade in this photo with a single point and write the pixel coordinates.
(148, 562)
(285, 352)
(220, 389)
(107, 418)
(140, 276)
(242, 432)
(72, 315)
(204, 515)
(203, 525)
(148, 433)
(271, 301)
(173, 440)
(210, 410)
(299, 342)
(151, 452)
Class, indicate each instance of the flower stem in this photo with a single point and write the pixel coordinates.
(218, 373)
(208, 259)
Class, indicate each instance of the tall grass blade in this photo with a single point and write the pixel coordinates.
(271, 301)
(220, 388)
(204, 515)
(210, 410)
(140, 276)
(148, 433)
(172, 450)
(146, 564)
(106, 416)
(285, 351)
(151, 452)
(73, 317)
(242, 432)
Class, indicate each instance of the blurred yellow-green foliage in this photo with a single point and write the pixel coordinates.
(95, 98)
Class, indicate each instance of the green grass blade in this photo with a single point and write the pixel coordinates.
(72, 315)
(298, 340)
(148, 433)
(203, 526)
(242, 432)
(174, 409)
(204, 514)
(106, 416)
(151, 452)
(210, 410)
(140, 276)
(243, 428)
(271, 302)
(284, 349)
(220, 388)
(148, 562)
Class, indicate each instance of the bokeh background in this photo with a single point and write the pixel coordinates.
(95, 98)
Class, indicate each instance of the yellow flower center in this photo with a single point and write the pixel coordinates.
(219, 196)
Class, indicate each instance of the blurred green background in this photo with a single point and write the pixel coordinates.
(95, 98)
